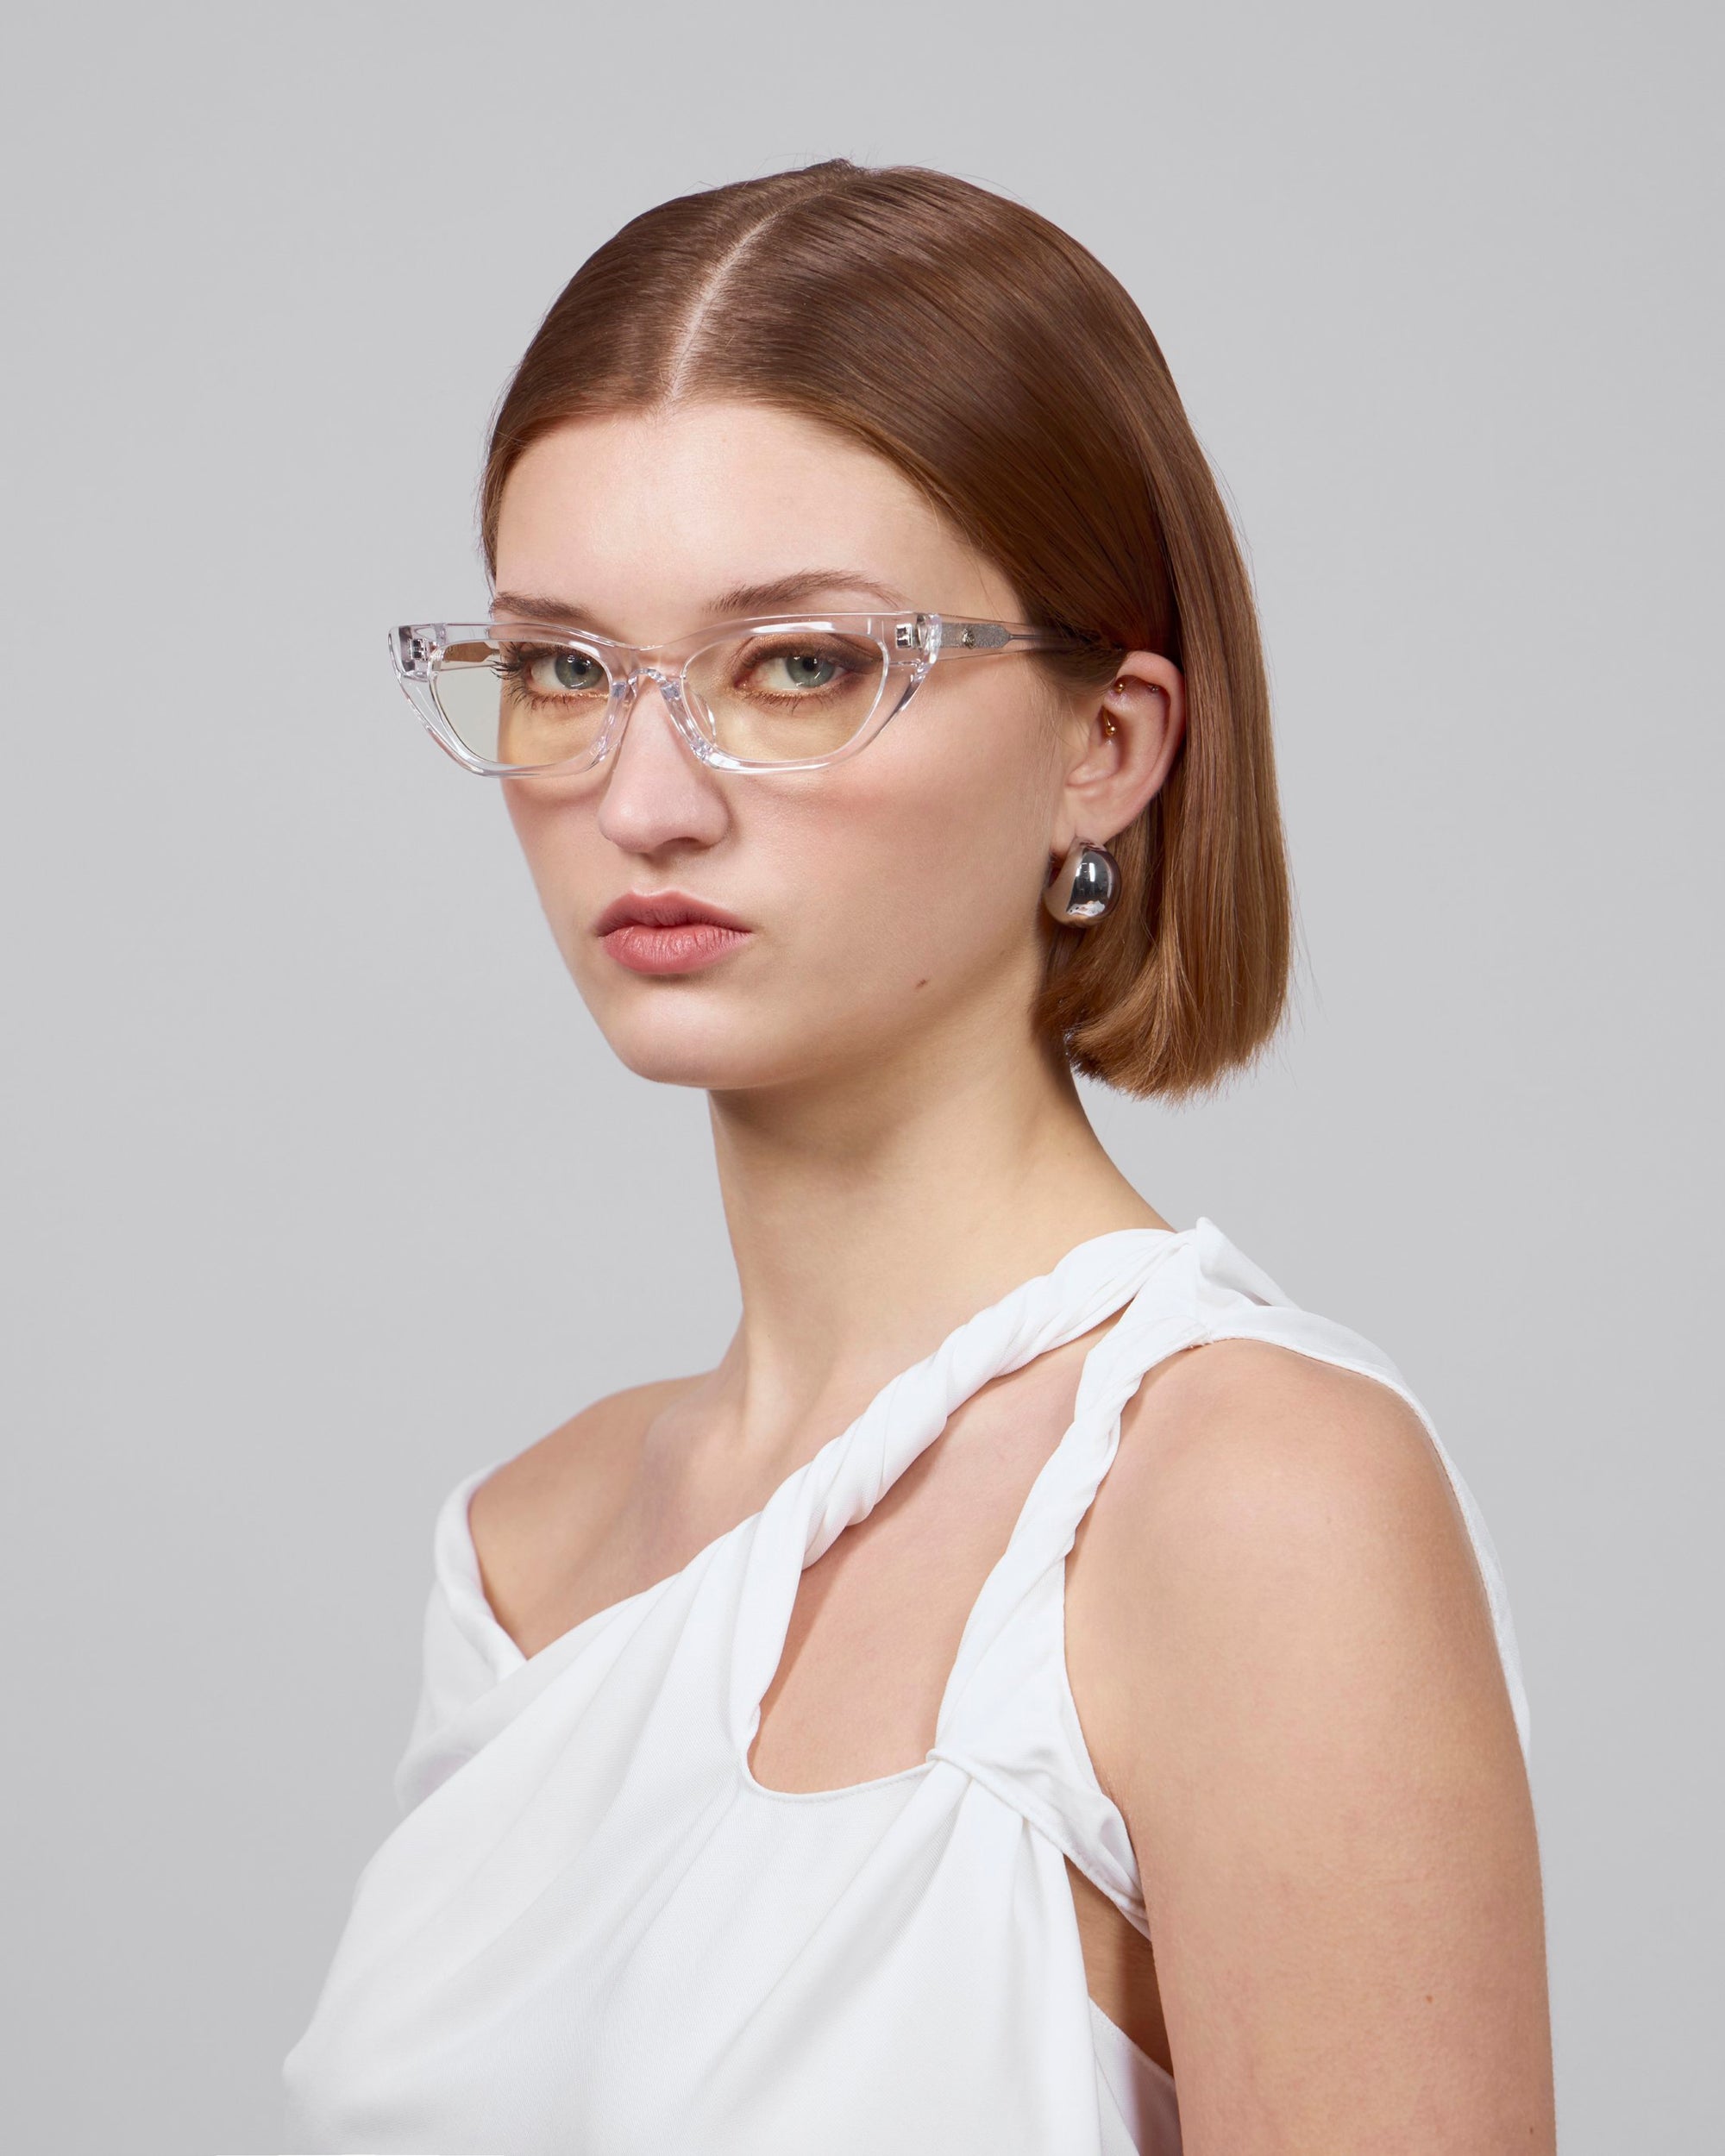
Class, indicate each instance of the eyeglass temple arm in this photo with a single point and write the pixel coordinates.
(994, 635)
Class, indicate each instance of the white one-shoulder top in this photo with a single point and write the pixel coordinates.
(593, 1933)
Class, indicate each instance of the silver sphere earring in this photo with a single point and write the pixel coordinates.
(1086, 885)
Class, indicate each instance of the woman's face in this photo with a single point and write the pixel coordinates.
(893, 892)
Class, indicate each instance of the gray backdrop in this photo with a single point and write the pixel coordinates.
(321, 1188)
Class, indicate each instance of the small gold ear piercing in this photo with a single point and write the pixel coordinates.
(1122, 685)
(1109, 726)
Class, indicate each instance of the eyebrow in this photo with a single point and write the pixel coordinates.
(782, 591)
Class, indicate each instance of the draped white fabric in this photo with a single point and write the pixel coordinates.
(594, 1933)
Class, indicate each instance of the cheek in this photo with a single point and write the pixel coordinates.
(926, 868)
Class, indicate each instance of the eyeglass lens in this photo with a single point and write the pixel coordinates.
(763, 697)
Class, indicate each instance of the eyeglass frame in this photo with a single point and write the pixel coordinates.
(912, 641)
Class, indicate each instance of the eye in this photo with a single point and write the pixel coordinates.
(790, 672)
(797, 670)
(566, 674)
(551, 675)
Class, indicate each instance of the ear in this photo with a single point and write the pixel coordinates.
(1113, 772)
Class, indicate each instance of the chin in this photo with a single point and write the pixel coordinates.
(684, 1048)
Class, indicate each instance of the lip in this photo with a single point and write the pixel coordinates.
(668, 933)
(662, 909)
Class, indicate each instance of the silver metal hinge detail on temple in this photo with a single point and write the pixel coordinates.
(416, 652)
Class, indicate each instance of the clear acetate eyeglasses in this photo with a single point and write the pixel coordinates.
(773, 693)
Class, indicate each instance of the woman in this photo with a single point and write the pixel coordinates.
(875, 684)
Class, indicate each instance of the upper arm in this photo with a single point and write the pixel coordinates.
(1307, 1728)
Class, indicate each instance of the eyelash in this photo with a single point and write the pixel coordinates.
(828, 651)
(518, 665)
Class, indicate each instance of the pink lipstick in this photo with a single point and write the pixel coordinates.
(668, 933)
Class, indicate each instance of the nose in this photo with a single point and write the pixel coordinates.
(657, 791)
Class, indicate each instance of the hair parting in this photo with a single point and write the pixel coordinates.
(1004, 371)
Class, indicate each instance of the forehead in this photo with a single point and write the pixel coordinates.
(648, 516)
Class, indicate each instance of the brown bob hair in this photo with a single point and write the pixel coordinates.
(1012, 378)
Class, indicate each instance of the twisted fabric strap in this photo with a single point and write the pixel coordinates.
(847, 1478)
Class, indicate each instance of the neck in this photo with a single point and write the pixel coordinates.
(873, 1211)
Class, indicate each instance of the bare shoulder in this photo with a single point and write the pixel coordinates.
(1284, 1523)
(533, 1512)
(1244, 1453)
(1284, 1660)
